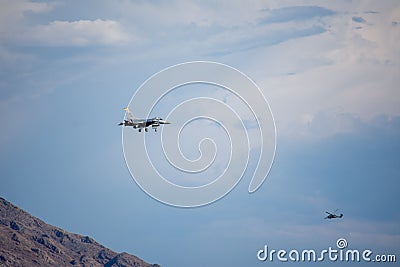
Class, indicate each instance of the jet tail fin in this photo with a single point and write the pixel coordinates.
(129, 115)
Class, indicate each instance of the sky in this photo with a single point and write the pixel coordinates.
(329, 71)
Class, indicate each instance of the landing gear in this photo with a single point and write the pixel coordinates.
(147, 129)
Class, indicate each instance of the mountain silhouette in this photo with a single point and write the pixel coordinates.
(27, 241)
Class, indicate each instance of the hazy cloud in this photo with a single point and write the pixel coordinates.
(13, 14)
(295, 13)
(78, 33)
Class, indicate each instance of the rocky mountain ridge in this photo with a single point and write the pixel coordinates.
(27, 241)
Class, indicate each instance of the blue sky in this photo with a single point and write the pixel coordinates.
(329, 70)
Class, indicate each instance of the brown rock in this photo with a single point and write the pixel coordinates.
(28, 241)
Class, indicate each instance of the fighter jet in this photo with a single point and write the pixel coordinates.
(139, 124)
(333, 215)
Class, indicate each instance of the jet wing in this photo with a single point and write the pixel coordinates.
(139, 123)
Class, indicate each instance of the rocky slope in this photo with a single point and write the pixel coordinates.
(28, 241)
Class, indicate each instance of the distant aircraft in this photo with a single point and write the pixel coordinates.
(139, 124)
(333, 215)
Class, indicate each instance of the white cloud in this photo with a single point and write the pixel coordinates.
(346, 70)
(12, 14)
(19, 26)
(78, 33)
(15, 9)
(198, 13)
